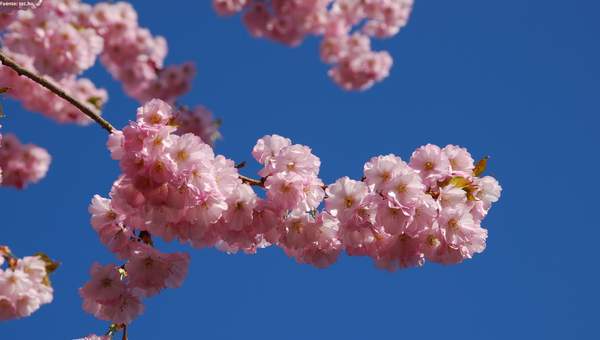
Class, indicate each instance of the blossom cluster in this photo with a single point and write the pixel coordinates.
(21, 164)
(24, 285)
(346, 26)
(115, 293)
(64, 38)
(173, 186)
(56, 41)
(135, 57)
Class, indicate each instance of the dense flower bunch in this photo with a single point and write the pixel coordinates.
(346, 27)
(24, 284)
(199, 121)
(56, 41)
(135, 57)
(174, 186)
(21, 164)
(63, 38)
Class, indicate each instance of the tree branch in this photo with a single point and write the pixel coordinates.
(7, 61)
(84, 108)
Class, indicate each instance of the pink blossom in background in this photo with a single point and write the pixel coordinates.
(345, 25)
(22, 164)
(23, 287)
(198, 121)
(135, 57)
(63, 38)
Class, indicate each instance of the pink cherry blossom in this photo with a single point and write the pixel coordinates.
(461, 162)
(23, 288)
(22, 164)
(431, 162)
(346, 27)
(150, 271)
(173, 186)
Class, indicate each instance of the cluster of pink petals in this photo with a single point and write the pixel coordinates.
(402, 214)
(199, 121)
(56, 36)
(21, 164)
(63, 38)
(174, 186)
(135, 57)
(56, 41)
(346, 27)
(115, 293)
(23, 287)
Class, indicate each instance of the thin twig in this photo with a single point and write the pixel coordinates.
(7, 61)
(125, 332)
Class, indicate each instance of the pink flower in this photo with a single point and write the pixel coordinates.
(460, 229)
(460, 159)
(362, 71)
(105, 285)
(229, 7)
(297, 159)
(102, 213)
(268, 147)
(189, 150)
(380, 170)
(23, 289)
(425, 213)
(401, 251)
(155, 112)
(452, 196)
(405, 186)
(108, 297)
(198, 121)
(241, 205)
(431, 163)
(394, 218)
(150, 271)
(488, 190)
(345, 196)
(284, 191)
(22, 164)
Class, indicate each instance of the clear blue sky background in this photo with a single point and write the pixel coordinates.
(518, 80)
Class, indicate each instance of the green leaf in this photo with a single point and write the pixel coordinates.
(51, 265)
(480, 166)
(96, 102)
(459, 182)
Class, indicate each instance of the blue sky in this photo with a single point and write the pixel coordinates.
(518, 80)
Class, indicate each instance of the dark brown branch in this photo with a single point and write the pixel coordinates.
(7, 61)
